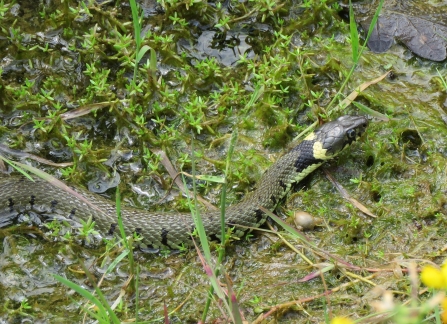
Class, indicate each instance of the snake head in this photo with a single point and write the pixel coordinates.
(338, 134)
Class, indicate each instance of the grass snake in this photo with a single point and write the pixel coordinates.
(161, 230)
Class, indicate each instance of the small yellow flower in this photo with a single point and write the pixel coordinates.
(341, 320)
(444, 308)
(433, 277)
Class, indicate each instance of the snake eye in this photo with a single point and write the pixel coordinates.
(351, 133)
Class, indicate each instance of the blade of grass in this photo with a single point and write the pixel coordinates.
(371, 112)
(22, 155)
(153, 64)
(128, 246)
(223, 197)
(137, 35)
(141, 53)
(317, 273)
(257, 93)
(233, 300)
(205, 258)
(136, 23)
(86, 109)
(444, 83)
(373, 24)
(17, 167)
(101, 297)
(351, 71)
(222, 216)
(198, 222)
(211, 273)
(351, 97)
(102, 305)
(288, 228)
(137, 292)
(175, 175)
(116, 261)
(354, 34)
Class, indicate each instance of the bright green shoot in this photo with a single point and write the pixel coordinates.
(140, 50)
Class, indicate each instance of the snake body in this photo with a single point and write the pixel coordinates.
(19, 195)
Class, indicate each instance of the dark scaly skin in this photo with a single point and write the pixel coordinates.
(170, 230)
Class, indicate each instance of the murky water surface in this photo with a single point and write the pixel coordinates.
(57, 57)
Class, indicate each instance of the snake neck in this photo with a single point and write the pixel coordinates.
(274, 184)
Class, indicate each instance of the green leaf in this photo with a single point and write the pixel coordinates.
(210, 178)
(141, 53)
(117, 260)
(81, 291)
(370, 111)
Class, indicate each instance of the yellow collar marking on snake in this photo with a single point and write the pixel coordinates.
(319, 151)
(310, 137)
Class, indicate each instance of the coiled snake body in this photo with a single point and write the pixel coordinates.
(168, 230)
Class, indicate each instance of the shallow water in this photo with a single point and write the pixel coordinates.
(55, 59)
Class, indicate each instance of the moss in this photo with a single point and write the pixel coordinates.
(288, 62)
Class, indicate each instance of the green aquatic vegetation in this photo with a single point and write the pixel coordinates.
(181, 21)
(214, 269)
(193, 112)
(90, 40)
(140, 49)
(99, 87)
(151, 160)
(269, 95)
(103, 314)
(223, 23)
(54, 227)
(208, 68)
(87, 229)
(4, 7)
(82, 150)
(22, 93)
(24, 309)
(16, 37)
